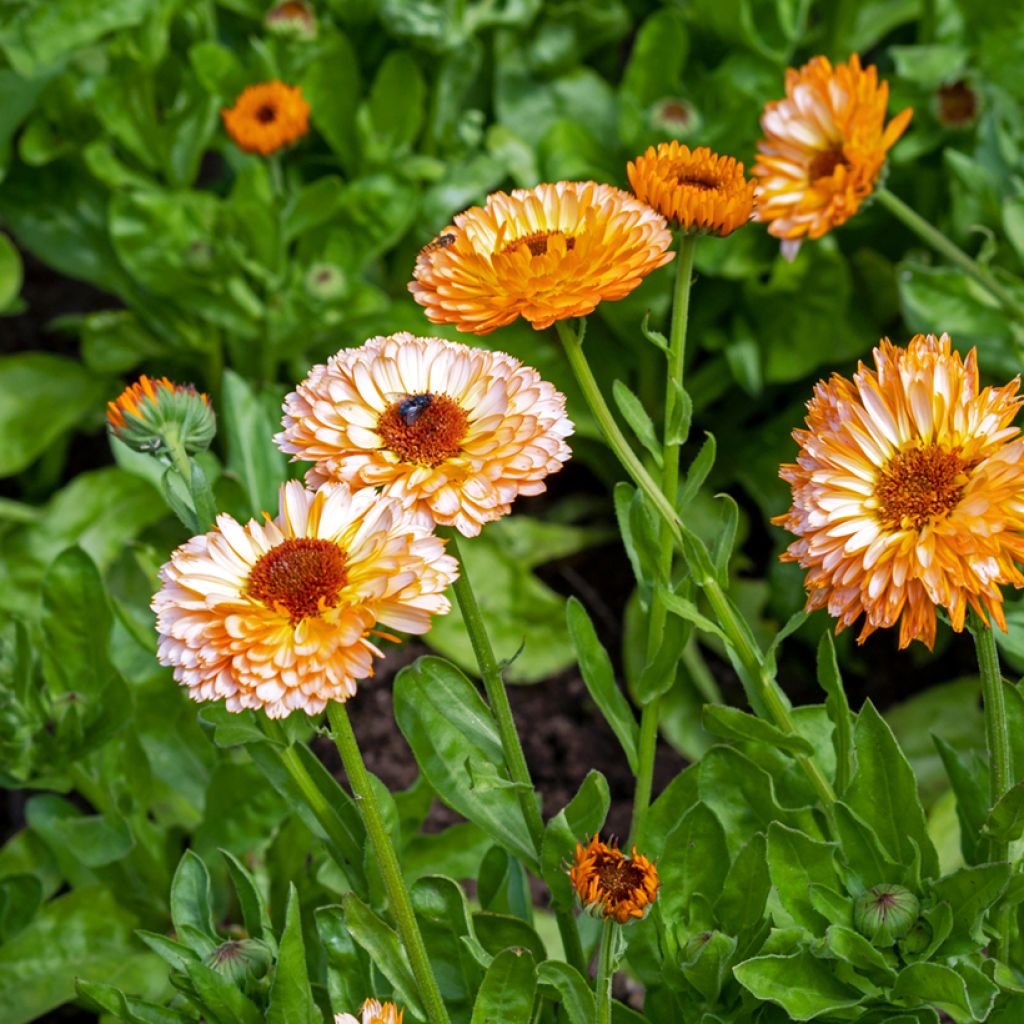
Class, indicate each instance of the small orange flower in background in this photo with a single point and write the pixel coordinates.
(824, 147)
(278, 615)
(267, 117)
(610, 884)
(908, 492)
(372, 1012)
(545, 254)
(452, 431)
(141, 415)
(696, 190)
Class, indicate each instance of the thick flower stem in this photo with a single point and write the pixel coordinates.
(391, 872)
(671, 446)
(942, 245)
(1000, 764)
(515, 760)
(603, 985)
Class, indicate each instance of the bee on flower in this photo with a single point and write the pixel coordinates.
(610, 884)
(543, 254)
(452, 432)
(279, 615)
(908, 492)
(372, 1012)
(823, 149)
(267, 117)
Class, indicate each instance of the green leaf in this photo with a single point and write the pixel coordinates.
(709, 967)
(838, 709)
(862, 853)
(441, 908)
(689, 612)
(291, 999)
(1006, 819)
(31, 381)
(252, 455)
(574, 995)
(100, 997)
(190, 896)
(255, 915)
(393, 115)
(852, 947)
(968, 777)
(697, 472)
(384, 948)
(221, 998)
(446, 722)
(634, 413)
(802, 985)
(346, 961)
(970, 891)
(496, 932)
(10, 272)
(331, 84)
(935, 985)
(745, 889)
(508, 990)
(580, 819)
(884, 792)
(796, 862)
(695, 861)
(726, 538)
(598, 674)
(734, 724)
(315, 204)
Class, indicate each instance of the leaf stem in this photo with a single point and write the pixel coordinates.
(387, 860)
(931, 235)
(671, 447)
(515, 759)
(603, 984)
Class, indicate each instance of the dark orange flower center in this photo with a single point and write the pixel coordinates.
(694, 179)
(424, 429)
(537, 243)
(266, 113)
(919, 485)
(825, 162)
(618, 876)
(958, 104)
(303, 575)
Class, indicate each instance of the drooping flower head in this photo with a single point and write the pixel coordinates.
(610, 884)
(545, 254)
(696, 190)
(278, 615)
(824, 147)
(145, 411)
(451, 431)
(372, 1012)
(908, 492)
(267, 117)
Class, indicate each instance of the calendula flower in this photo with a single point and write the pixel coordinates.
(610, 884)
(372, 1012)
(267, 117)
(545, 254)
(150, 413)
(696, 190)
(454, 432)
(293, 19)
(278, 615)
(824, 147)
(908, 492)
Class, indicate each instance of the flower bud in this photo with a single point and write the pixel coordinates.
(243, 961)
(956, 105)
(150, 415)
(885, 913)
(293, 19)
(326, 282)
(675, 117)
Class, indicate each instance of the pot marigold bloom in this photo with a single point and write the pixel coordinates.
(696, 190)
(610, 884)
(372, 1012)
(452, 431)
(146, 412)
(908, 492)
(278, 615)
(824, 147)
(267, 117)
(545, 254)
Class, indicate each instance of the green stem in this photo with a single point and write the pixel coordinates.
(387, 860)
(603, 985)
(515, 760)
(931, 235)
(651, 713)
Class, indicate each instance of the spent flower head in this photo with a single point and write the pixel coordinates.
(610, 884)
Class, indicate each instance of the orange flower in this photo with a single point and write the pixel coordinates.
(141, 415)
(696, 190)
(372, 1012)
(267, 117)
(278, 615)
(824, 147)
(908, 492)
(610, 884)
(545, 254)
(455, 432)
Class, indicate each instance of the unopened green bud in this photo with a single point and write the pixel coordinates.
(151, 415)
(885, 913)
(243, 961)
(326, 282)
(675, 117)
(294, 19)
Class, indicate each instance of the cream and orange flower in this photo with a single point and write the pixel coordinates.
(372, 1012)
(267, 117)
(610, 884)
(824, 147)
(908, 492)
(697, 190)
(545, 254)
(278, 615)
(452, 431)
